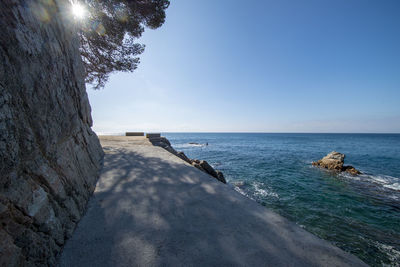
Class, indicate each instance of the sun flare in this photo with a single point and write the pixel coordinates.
(78, 11)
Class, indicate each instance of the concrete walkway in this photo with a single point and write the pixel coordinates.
(150, 208)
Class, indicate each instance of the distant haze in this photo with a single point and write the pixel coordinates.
(262, 66)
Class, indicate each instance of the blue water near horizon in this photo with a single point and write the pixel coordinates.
(360, 214)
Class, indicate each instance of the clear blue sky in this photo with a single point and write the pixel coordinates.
(262, 66)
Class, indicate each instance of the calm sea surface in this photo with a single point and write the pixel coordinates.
(359, 214)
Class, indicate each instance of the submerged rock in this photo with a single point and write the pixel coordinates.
(335, 161)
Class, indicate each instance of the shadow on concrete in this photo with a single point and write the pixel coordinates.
(152, 209)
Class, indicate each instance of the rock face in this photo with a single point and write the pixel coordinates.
(335, 161)
(199, 164)
(50, 158)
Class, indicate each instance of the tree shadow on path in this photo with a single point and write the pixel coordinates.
(155, 210)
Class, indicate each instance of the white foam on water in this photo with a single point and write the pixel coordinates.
(395, 186)
(188, 145)
(391, 252)
(238, 183)
(239, 190)
(263, 192)
(393, 197)
(349, 176)
(386, 181)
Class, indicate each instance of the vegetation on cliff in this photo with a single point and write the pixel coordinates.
(108, 35)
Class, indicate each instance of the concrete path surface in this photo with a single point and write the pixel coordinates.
(151, 208)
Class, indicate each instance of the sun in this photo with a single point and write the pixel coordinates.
(78, 11)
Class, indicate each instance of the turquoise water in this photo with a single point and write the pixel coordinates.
(359, 214)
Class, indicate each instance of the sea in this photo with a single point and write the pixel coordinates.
(360, 214)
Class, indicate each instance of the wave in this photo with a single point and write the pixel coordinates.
(395, 186)
(263, 192)
(391, 252)
(254, 190)
(188, 145)
(241, 191)
(389, 184)
(383, 180)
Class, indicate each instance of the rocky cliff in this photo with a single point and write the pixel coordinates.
(49, 156)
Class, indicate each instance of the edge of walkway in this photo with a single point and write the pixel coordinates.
(151, 208)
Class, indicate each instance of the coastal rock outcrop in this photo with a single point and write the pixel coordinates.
(199, 164)
(335, 161)
(50, 157)
(205, 167)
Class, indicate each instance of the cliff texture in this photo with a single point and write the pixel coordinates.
(49, 156)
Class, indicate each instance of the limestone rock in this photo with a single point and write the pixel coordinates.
(50, 157)
(332, 161)
(335, 161)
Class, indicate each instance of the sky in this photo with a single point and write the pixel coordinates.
(261, 66)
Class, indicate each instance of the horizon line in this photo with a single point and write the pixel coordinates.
(109, 133)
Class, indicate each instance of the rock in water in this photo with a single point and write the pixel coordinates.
(199, 164)
(351, 170)
(50, 157)
(221, 177)
(335, 161)
(332, 161)
(184, 157)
